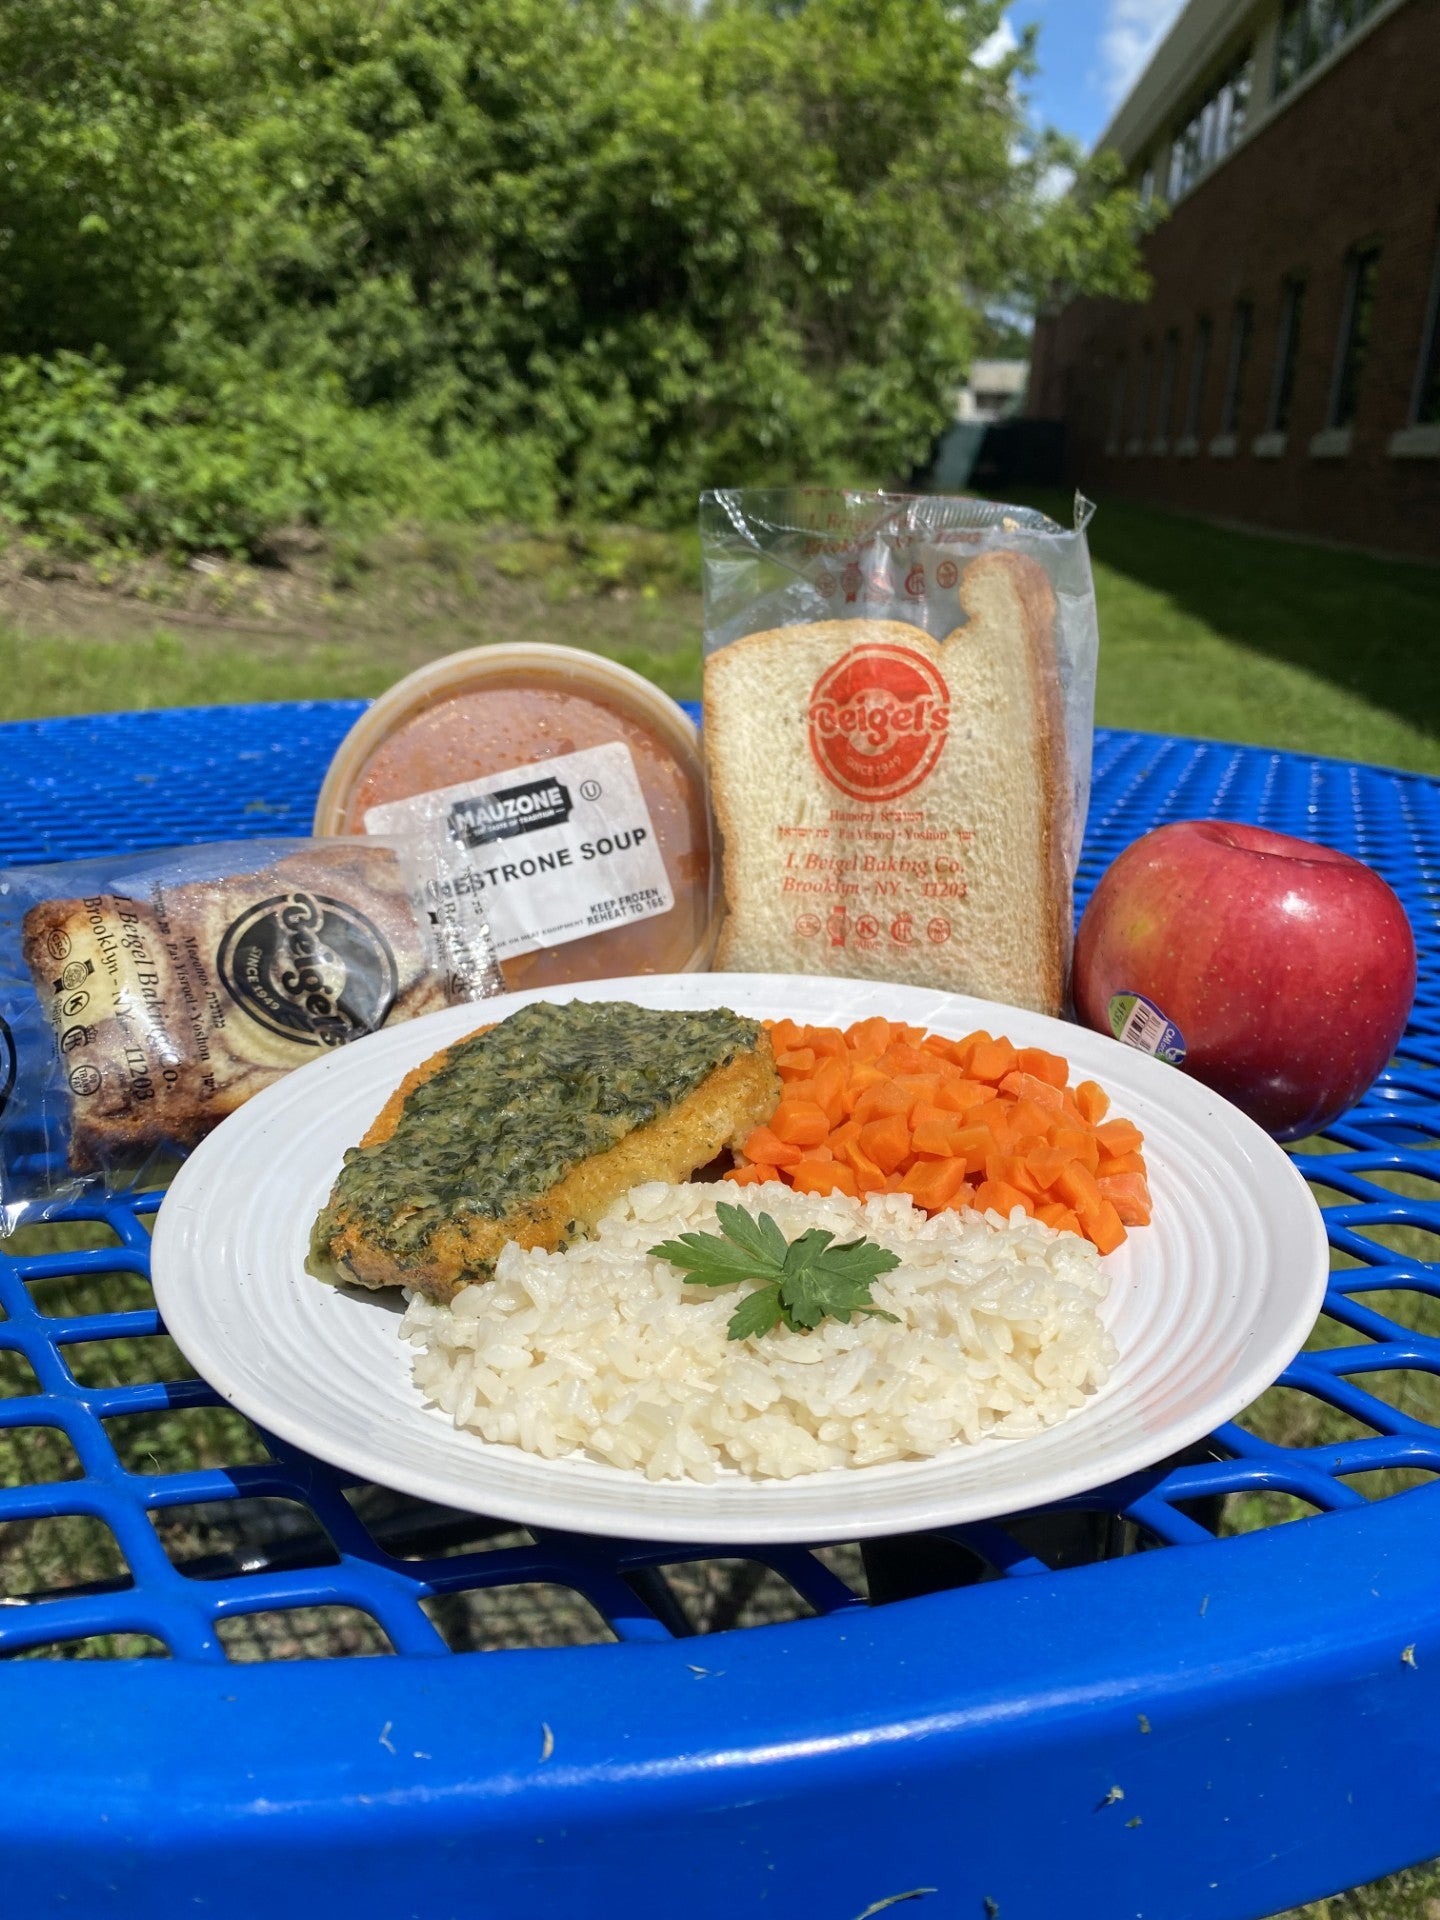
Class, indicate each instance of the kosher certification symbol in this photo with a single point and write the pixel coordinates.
(74, 975)
(57, 944)
(84, 1081)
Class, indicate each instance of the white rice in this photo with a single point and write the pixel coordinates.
(604, 1350)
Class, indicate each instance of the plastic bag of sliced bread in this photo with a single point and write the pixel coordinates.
(899, 701)
(145, 996)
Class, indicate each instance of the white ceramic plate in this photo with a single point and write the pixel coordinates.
(1206, 1305)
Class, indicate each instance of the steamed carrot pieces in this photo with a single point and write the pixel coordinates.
(887, 1108)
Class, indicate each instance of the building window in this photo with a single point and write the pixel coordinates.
(1117, 406)
(1147, 185)
(1287, 354)
(1199, 372)
(1310, 29)
(1142, 393)
(1425, 407)
(1213, 128)
(1241, 327)
(1354, 343)
(1169, 361)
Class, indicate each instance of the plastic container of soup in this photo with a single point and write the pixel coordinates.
(557, 793)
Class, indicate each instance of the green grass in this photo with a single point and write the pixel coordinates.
(1203, 630)
(1237, 636)
(341, 621)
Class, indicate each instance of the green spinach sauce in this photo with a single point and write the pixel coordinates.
(515, 1108)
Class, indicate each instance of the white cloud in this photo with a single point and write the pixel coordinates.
(1133, 30)
(994, 48)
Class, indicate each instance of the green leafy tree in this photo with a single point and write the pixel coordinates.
(630, 247)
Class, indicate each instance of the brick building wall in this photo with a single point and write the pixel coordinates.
(1353, 161)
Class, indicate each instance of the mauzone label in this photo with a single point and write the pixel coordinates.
(544, 854)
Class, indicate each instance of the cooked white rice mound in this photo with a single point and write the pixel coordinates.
(603, 1348)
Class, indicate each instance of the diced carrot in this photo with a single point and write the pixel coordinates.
(936, 1133)
(1045, 1066)
(972, 1144)
(770, 1149)
(885, 1107)
(799, 1123)
(992, 1062)
(862, 1077)
(1029, 1086)
(887, 1142)
(885, 1097)
(995, 1193)
(961, 1096)
(1120, 1163)
(861, 1165)
(1103, 1226)
(829, 1085)
(1078, 1188)
(950, 1053)
(1061, 1218)
(1092, 1100)
(1027, 1117)
(1016, 1173)
(901, 1057)
(1048, 1163)
(1129, 1195)
(823, 1176)
(1079, 1143)
(826, 1040)
(921, 1087)
(966, 1049)
(797, 1060)
(934, 1184)
(869, 1038)
(874, 1182)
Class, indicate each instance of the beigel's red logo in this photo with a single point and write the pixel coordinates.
(878, 720)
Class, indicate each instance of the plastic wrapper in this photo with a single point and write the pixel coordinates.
(899, 706)
(145, 996)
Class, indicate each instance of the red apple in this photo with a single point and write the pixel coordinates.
(1280, 972)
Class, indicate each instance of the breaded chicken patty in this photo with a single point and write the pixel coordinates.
(528, 1130)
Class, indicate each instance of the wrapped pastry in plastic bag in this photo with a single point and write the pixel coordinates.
(899, 701)
(145, 996)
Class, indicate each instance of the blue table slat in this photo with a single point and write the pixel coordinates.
(1216, 1726)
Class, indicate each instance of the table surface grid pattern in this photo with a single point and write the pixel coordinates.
(332, 1544)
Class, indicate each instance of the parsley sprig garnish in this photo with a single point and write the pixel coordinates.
(804, 1279)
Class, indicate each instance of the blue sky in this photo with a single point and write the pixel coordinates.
(1090, 53)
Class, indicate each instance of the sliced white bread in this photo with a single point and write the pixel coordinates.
(998, 788)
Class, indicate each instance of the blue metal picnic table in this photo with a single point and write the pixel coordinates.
(1213, 1724)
